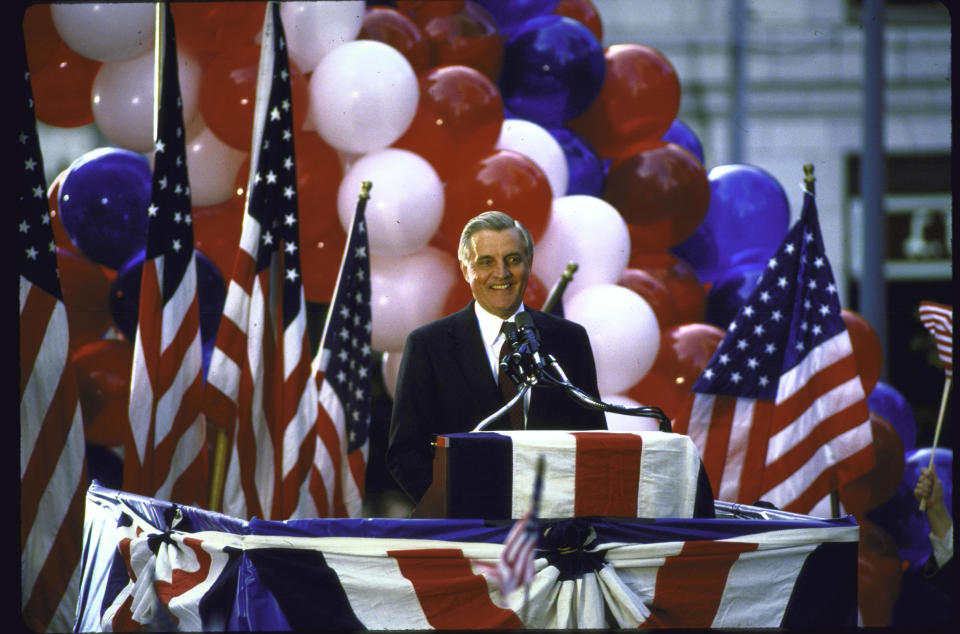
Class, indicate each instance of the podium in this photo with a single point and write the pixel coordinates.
(489, 475)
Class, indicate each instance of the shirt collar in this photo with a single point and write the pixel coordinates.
(490, 324)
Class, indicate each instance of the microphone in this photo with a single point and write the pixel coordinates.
(528, 332)
(514, 362)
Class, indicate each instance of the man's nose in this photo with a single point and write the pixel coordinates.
(502, 269)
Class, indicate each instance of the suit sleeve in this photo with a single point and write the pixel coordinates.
(586, 377)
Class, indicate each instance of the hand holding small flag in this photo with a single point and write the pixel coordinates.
(938, 319)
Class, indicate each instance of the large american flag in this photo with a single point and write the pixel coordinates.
(779, 413)
(938, 320)
(53, 475)
(345, 366)
(166, 454)
(259, 385)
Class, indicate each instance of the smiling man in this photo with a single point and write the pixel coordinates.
(448, 382)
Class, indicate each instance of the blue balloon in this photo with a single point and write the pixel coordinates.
(103, 203)
(681, 134)
(729, 293)
(584, 167)
(886, 401)
(510, 14)
(553, 69)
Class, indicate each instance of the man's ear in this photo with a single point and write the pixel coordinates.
(463, 271)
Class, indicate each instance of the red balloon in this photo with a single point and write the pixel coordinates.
(86, 296)
(40, 36)
(879, 575)
(654, 291)
(216, 232)
(583, 12)
(877, 485)
(689, 297)
(504, 181)
(663, 191)
(639, 100)
(867, 350)
(208, 28)
(461, 32)
(458, 118)
(387, 25)
(320, 263)
(228, 93)
(684, 352)
(319, 172)
(103, 386)
(62, 87)
(60, 236)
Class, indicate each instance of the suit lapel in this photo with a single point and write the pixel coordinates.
(470, 357)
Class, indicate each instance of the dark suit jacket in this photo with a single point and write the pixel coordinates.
(445, 386)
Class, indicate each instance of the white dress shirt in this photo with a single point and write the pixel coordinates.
(493, 340)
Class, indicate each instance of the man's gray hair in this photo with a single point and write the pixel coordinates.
(494, 221)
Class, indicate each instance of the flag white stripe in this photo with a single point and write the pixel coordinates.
(302, 425)
(140, 406)
(224, 374)
(322, 460)
(234, 501)
(559, 473)
(826, 354)
(702, 410)
(365, 585)
(168, 405)
(175, 310)
(190, 446)
(293, 337)
(729, 486)
(236, 308)
(669, 464)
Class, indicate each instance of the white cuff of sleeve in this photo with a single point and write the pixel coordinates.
(942, 547)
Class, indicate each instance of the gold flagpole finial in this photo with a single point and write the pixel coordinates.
(808, 178)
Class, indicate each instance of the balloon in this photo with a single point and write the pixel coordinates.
(216, 232)
(407, 292)
(61, 88)
(700, 250)
(623, 333)
(228, 95)
(60, 237)
(537, 144)
(502, 180)
(662, 191)
(458, 119)
(681, 134)
(405, 205)
(363, 96)
(683, 354)
(680, 279)
(125, 297)
(390, 26)
(584, 12)
(639, 100)
(212, 168)
(103, 204)
(103, 371)
(748, 212)
(512, 14)
(86, 295)
(318, 178)
(730, 291)
(39, 35)
(654, 291)
(886, 401)
(313, 29)
(867, 349)
(106, 32)
(584, 168)
(123, 99)
(625, 422)
(875, 487)
(461, 32)
(553, 69)
(588, 231)
(210, 28)
(390, 368)
(320, 258)
(879, 575)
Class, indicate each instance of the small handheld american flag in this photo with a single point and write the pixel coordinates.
(938, 319)
(515, 567)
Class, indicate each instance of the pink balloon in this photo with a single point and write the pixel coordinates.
(391, 369)
(534, 142)
(212, 167)
(106, 32)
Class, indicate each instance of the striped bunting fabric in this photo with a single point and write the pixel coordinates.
(166, 453)
(212, 572)
(938, 320)
(53, 473)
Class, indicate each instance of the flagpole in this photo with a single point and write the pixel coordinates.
(936, 433)
(556, 293)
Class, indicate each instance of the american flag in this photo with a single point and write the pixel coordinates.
(53, 475)
(938, 319)
(779, 413)
(344, 372)
(165, 455)
(259, 384)
(515, 567)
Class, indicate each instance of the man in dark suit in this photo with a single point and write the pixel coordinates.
(447, 381)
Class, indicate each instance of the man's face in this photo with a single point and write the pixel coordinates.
(497, 270)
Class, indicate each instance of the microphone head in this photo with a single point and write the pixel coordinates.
(524, 320)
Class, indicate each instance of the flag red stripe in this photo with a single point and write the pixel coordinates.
(36, 313)
(182, 581)
(755, 457)
(246, 446)
(318, 491)
(331, 441)
(820, 383)
(358, 469)
(450, 593)
(607, 474)
(718, 439)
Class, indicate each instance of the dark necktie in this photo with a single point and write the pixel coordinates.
(509, 389)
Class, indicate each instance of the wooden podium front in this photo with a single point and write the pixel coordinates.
(489, 475)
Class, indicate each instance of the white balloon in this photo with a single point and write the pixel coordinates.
(363, 96)
(408, 292)
(625, 422)
(212, 168)
(406, 200)
(123, 94)
(106, 32)
(313, 29)
(534, 142)
(391, 370)
(586, 230)
(623, 330)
